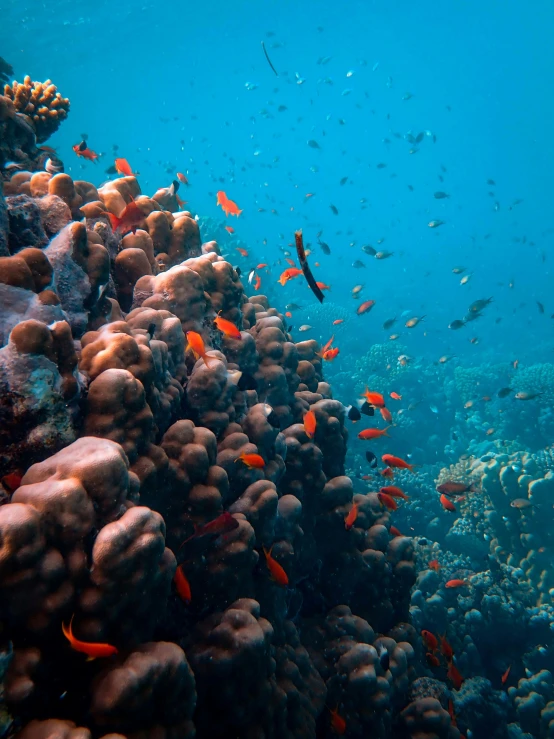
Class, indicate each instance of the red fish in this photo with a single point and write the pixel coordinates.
(196, 343)
(82, 150)
(373, 433)
(290, 261)
(229, 207)
(91, 649)
(252, 461)
(242, 252)
(182, 585)
(457, 583)
(310, 424)
(394, 531)
(432, 660)
(230, 229)
(323, 286)
(386, 414)
(394, 492)
(129, 220)
(338, 723)
(218, 526)
(392, 461)
(289, 274)
(506, 675)
(387, 472)
(227, 327)
(387, 501)
(446, 648)
(351, 517)
(448, 505)
(261, 266)
(277, 572)
(430, 640)
(395, 396)
(181, 177)
(11, 481)
(365, 307)
(337, 321)
(257, 282)
(434, 565)
(123, 167)
(374, 398)
(454, 676)
(330, 354)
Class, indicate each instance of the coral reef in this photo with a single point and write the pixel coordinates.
(41, 103)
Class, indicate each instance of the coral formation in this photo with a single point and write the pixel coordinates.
(41, 103)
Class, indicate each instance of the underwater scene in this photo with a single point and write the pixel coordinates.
(276, 370)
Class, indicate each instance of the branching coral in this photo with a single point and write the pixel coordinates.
(41, 102)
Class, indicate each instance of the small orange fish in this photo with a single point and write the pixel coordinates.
(393, 531)
(180, 201)
(372, 433)
(181, 177)
(182, 585)
(310, 424)
(434, 565)
(275, 569)
(227, 327)
(229, 207)
(395, 396)
(446, 648)
(288, 314)
(506, 675)
(289, 274)
(394, 492)
(430, 640)
(392, 461)
(374, 398)
(351, 517)
(129, 220)
(387, 501)
(337, 321)
(196, 343)
(82, 150)
(387, 472)
(323, 286)
(261, 266)
(123, 167)
(454, 676)
(91, 649)
(327, 346)
(432, 660)
(290, 261)
(330, 354)
(447, 504)
(386, 414)
(230, 229)
(456, 583)
(338, 723)
(242, 252)
(255, 461)
(257, 282)
(365, 307)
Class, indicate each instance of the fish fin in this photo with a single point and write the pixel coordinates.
(90, 659)
(114, 220)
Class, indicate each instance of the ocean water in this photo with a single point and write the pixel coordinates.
(361, 124)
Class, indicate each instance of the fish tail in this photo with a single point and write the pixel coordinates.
(115, 221)
(209, 358)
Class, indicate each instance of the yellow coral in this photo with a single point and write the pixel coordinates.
(41, 103)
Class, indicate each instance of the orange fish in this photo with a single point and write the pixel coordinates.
(290, 261)
(386, 414)
(123, 167)
(372, 433)
(82, 150)
(91, 649)
(129, 220)
(242, 252)
(446, 648)
(182, 585)
(434, 565)
(373, 398)
(196, 343)
(289, 274)
(323, 286)
(351, 517)
(457, 583)
(327, 346)
(330, 354)
(338, 723)
(395, 396)
(393, 531)
(432, 660)
(365, 307)
(506, 675)
(454, 676)
(387, 501)
(394, 492)
(255, 461)
(387, 472)
(261, 266)
(277, 572)
(257, 282)
(227, 327)
(180, 201)
(181, 177)
(337, 321)
(230, 229)
(392, 461)
(229, 207)
(447, 504)
(310, 424)
(11, 481)
(430, 640)
(288, 314)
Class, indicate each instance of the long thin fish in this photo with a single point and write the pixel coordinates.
(305, 268)
(269, 60)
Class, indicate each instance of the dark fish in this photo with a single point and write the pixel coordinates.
(324, 247)
(384, 658)
(353, 413)
(389, 323)
(540, 307)
(53, 165)
(504, 392)
(491, 182)
(312, 143)
(151, 329)
(111, 170)
(371, 458)
(454, 488)
(247, 382)
(358, 264)
(478, 305)
(344, 180)
(238, 270)
(293, 306)
(455, 325)
(440, 195)
(419, 138)
(368, 249)
(367, 409)
(334, 209)
(381, 165)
